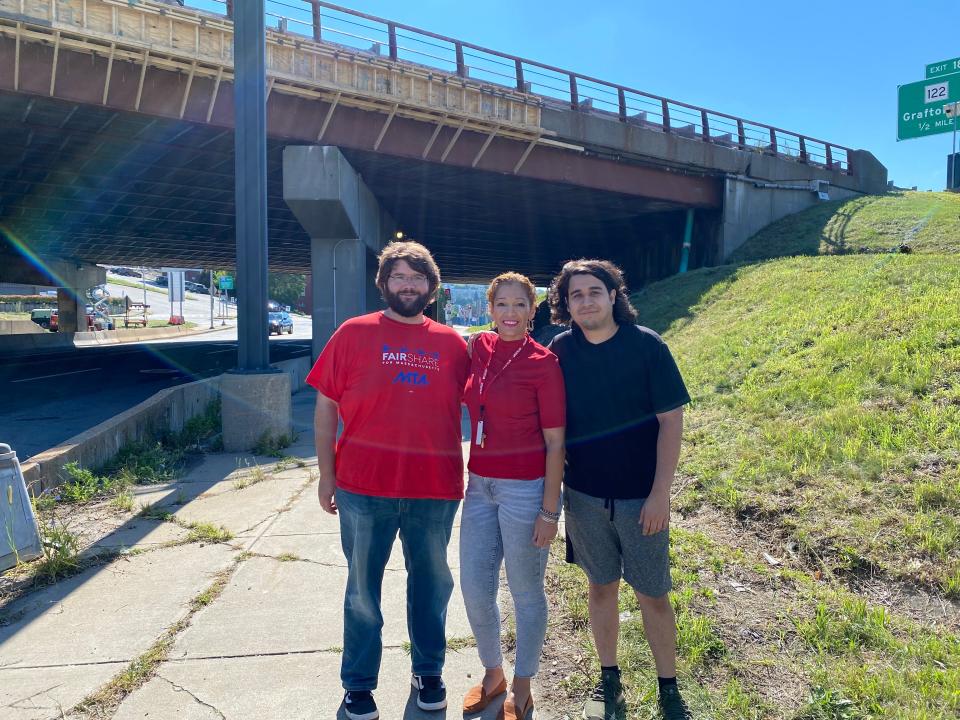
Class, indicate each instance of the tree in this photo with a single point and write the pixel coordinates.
(286, 288)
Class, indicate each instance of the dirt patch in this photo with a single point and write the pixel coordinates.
(912, 601)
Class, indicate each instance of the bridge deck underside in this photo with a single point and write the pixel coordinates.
(101, 185)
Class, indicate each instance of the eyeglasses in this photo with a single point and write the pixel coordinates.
(415, 279)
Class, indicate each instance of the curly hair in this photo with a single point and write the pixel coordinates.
(607, 273)
(415, 255)
(516, 278)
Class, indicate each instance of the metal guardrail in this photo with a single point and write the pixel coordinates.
(327, 22)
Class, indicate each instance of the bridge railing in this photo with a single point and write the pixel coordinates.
(327, 22)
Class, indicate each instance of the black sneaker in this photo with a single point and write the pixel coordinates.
(431, 692)
(607, 701)
(672, 706)
(360, 705)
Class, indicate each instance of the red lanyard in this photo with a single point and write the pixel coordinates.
(481, 435)
(486, 369)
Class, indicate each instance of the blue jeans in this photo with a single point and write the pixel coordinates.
(368, 528)
(496, 527)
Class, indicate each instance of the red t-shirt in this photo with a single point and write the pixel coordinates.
(519, 402)
(398, 387)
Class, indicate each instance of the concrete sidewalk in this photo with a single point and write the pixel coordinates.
(249, 628)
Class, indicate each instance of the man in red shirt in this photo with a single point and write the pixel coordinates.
(395, 379)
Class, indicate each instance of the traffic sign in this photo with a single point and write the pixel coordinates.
(944, 67)
(226, 282)
(920, 106)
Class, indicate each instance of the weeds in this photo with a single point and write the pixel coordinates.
(123, 501)
(61, 549)
(252, 476)
(204, 532)
(272, 445)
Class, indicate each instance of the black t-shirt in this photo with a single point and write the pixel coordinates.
(614, 391)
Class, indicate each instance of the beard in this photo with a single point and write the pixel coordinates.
(406, 305)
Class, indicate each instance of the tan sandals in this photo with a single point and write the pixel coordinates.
(509, 710)
(476, 699)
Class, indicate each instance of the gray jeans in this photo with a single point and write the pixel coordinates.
(496, 527)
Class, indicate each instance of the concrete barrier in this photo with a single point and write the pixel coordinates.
(168, 409)
(29, 342)
(20, 327)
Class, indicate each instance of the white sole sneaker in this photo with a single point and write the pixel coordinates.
(439, 705)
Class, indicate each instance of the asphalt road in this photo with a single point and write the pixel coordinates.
(48, 398)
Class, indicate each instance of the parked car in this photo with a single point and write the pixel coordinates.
(196, 287)
(279, 323)
(41, 316)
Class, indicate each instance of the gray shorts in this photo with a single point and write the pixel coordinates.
(605, 539)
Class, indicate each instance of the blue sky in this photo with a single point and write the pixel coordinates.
(825, 69)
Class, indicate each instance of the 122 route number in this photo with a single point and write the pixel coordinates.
(936, 93)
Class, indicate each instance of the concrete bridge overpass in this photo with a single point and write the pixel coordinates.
(116, 145)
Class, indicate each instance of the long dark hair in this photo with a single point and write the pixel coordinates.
(607, 273)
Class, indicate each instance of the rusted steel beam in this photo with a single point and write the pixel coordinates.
(460, 44)
(350, 127)
(386, 124)
(392, 39)
(773, 141)
(705, 125)
(453, 141)
(106, 81)
(53, 69)
(741, 134)
(317, 27)
(461, 66)
(803, 149)
(521, 86)
(622, 103)
(213, 95)
(829, 155)
(432, 140)
(483, 148)
(526, 153)
(665, 110)
(574, 96)
(328, 117)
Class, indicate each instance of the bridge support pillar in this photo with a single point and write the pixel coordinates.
(71, 278)
(347, 228)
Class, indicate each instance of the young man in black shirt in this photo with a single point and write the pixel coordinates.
(625, 399)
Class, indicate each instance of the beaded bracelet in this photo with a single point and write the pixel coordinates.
(550, 517)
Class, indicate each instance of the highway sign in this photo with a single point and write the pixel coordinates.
(226, 282)
(944, 67)
(920, 106)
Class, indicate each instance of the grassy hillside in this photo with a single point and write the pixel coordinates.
(817, 545)
(924, 222)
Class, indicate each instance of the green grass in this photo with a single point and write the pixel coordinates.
(825, 422)
(926, 222)
(826, 397)
(841, 654)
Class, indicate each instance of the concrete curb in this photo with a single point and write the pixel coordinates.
(168, 409)
(44, 340)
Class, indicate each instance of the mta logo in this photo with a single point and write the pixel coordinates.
(410, 378)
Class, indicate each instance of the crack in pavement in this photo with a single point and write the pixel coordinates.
(180, 688)
(279, 653)
(16, 703)
(54, 666)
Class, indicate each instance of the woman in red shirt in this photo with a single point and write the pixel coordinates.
(516, 400)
